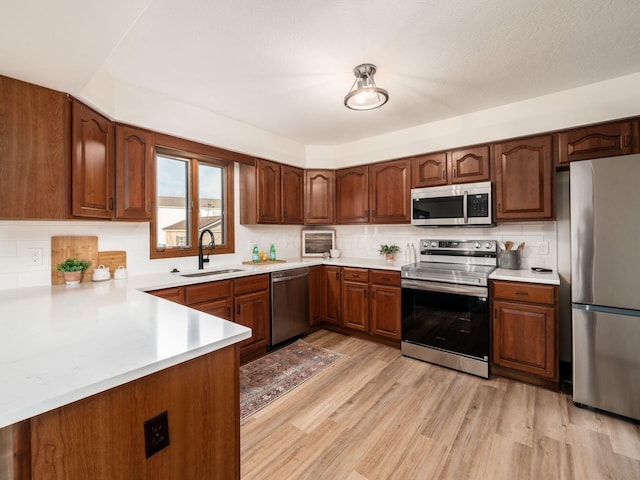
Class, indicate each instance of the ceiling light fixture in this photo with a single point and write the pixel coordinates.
(364, 95)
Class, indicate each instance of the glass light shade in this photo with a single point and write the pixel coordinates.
(366, 95)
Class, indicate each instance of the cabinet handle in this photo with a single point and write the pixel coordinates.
(373, 295)
(229, 311)
(261, 211)
(443, 173)
(373, 213)
(499, 207)
(238, 309)
(365, 294)
(625, 140)
(385, 278)
(149, 206)
(111, 202)
(366, 213)
(522, 293)
(454, 172)
(337, 275)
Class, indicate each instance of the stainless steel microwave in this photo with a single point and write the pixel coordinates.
(461, 205)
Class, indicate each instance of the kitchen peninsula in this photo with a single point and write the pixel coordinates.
(82, 369)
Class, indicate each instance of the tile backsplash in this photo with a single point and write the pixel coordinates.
(19, 239)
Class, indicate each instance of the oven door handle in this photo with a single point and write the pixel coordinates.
(428, 286)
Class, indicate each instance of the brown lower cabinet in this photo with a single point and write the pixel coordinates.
(101, 436)
(363, 300)
(244, 301)
(317, 294)
(524, 332)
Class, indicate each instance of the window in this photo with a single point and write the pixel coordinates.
(194, 192)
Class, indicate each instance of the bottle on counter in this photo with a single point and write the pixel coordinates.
(272, 252)
(255, 257)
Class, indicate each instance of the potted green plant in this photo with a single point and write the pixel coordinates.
(389, 251)
(72, 269)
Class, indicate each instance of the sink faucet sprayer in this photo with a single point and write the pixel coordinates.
(212, 245)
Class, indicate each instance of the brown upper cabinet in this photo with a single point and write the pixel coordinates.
(319, 188)
(92, 163)
(292, 195)
(523, 179)
(271, 193)
(34, 151)
(464, 165)
(597, 141)
(352, 195)
(390, 192)
(134, 173)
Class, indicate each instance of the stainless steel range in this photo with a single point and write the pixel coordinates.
(445, 304)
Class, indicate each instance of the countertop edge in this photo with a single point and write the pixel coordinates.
(550, 278)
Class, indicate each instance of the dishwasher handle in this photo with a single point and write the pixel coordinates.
(289, 274)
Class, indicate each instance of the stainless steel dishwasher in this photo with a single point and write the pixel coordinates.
(289, 304)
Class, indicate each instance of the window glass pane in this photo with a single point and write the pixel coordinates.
(210, 201)
(172, 219)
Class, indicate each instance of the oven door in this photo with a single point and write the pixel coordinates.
(449, 317)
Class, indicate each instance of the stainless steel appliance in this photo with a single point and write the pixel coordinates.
(289, 304)
(445, 304)
(605, 273)
(466, 204)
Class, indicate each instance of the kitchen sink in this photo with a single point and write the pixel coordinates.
(212, 272)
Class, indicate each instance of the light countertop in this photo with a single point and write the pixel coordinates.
(550, 278)
(61, 343)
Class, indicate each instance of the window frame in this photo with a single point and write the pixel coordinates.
(195, 154)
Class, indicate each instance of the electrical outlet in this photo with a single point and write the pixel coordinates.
(544, 248)
(35, 256)
(156, 434)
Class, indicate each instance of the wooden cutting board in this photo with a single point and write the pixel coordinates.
(112, 259)
(82, 247)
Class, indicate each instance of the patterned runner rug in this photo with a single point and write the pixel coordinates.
(268, 378)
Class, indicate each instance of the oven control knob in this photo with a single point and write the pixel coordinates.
(434, 244)
(488, 245)
(477, 245)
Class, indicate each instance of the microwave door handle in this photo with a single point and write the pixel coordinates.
(464, 207)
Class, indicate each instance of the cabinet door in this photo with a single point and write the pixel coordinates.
(317, 295)
(252, 310)
(134, 173)
(268, 191)
(469, 165)
(92, 181)
(34, 151)
(319, 197)
(389, 192)
(386, 311)
(355, 305)
(218, 308)
(352, 195)
(524, 338)
(333, 293)
(429, 170)
(292, 190)
(524, 179)
(605, 140)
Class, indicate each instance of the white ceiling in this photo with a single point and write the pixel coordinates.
(284, 66)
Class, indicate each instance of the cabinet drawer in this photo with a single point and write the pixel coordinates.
(205, 292)
(385, 277)
(525, 292)
(355, 275)
(253, 283)
(175, 294)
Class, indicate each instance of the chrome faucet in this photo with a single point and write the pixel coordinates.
(212, 245)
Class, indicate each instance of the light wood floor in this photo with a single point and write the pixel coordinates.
(375, 414)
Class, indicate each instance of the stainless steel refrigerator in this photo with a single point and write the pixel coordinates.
(605, 283)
